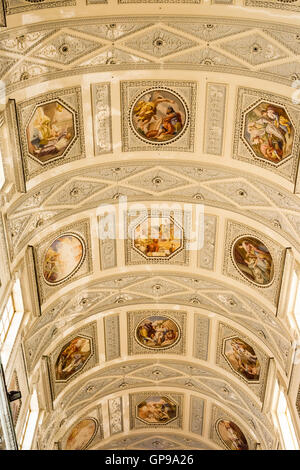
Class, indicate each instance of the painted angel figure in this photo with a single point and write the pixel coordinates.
(146, 111)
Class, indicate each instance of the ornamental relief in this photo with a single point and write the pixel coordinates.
(112, 337)
(115, 409)
(292, 5)
(18, 6)
(196, 414)
(60, 48)
(163, 442)
(143, 373)
(4, 267)
(159, 42)
(79, 188)
(185, 291)
(215, 118)
(101, 109)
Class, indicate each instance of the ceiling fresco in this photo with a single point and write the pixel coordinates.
(157, 113)
(265, 132)
(152, 209)
(51, 131)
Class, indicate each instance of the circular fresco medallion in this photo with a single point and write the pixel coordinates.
(159, 116)
(81, 434)
(63, 258)
(253, 260)
(231, 435)
(157, 332)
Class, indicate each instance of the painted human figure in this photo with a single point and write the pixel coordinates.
(258, 261)
(145, 111)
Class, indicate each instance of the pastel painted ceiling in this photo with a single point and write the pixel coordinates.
(116, 116)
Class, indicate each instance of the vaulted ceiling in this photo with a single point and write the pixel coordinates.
(84, 160)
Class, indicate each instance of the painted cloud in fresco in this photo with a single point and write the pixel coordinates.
(157, 332)
(253, 259)
(72, 357)
(158, 116)
(62, 258)
(50, 131)
(81, 434)
(269, 132)
(157, 410)
(158, 237)
(242, 358)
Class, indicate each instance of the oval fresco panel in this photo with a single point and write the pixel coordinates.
(269, 132)
(63, 258)
(157, 332)
(50, 131)
(157, 410)
(242, 358)
(81, 434)
(72, 357)
(158, 116)
(253, 259)
(231, 435)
